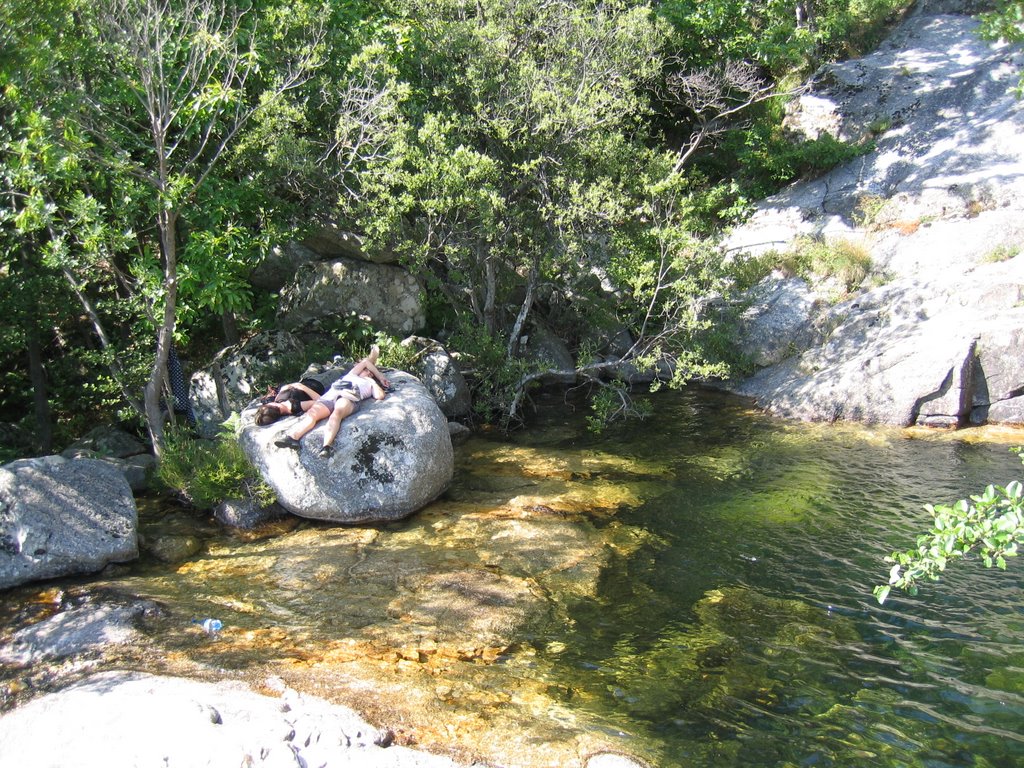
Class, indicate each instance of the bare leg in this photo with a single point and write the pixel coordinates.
(318, 412)
(343, 408)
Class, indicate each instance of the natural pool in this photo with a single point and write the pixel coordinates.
(692, 590)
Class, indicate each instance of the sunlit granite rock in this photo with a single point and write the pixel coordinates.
(391, 458)
(61, 516)
(129, 718)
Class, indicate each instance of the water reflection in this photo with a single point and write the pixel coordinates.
(692, 590)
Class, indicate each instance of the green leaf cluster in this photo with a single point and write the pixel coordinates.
(989, 526)
(780, 35)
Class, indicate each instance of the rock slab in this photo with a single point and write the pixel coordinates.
(129, 718)
(386, 294)
(932, 337)
(391, 458)
(62, 516)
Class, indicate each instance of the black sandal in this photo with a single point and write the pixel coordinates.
(287, 441)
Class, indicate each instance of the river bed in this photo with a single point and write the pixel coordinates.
(690, 590)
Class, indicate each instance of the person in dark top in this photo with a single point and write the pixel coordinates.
(297, 398)
(340, 401)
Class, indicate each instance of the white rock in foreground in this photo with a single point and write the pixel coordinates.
(130, 718)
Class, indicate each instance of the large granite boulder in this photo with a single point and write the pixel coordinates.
(545, 349)
(391, 458)
(116, 447)
(441, 375)
(942, 353)
(942, 102)
(388, 295)
(279, 265)
(63, 516)
(332, 241)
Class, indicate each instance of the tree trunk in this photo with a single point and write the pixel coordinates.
(101, 334)
(230, 326)
(490, 295)
(40, 399)
(167, 221)
(524, 310)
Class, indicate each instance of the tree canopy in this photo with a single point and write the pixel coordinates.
(555, 163)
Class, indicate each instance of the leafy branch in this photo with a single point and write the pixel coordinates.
(990, 525)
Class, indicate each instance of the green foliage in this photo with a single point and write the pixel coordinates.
(817, 259)
(492, 376)
(206, 472)
(394, 354)
(869, 209)
(1003, 252)
(508, 152)
(349, 335)
(989, 525)
(612, 402)
(768, 159)
(513, 144)
(1006, 22)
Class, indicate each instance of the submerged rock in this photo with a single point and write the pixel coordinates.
(63, 516)
(246, 514)
(391, 458)
(78, 630)
(716, 664)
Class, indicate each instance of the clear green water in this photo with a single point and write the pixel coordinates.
(694, 590)
(748, 635)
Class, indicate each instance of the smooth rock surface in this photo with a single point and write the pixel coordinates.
(133, 719)
(78, 630)
(63, 516)
(930, 338)
(391, 458)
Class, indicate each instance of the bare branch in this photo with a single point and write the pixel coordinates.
(714, 96)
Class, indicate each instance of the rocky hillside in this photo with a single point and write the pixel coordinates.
(933, 334)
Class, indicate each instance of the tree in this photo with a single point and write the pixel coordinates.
(42, 209)
(179, 87)
(990, 524)
(517, 168)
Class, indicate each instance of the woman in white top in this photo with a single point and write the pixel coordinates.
(340, 401)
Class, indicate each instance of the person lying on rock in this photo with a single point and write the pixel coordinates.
(340, 401)
(290, 400)
(298, 397)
